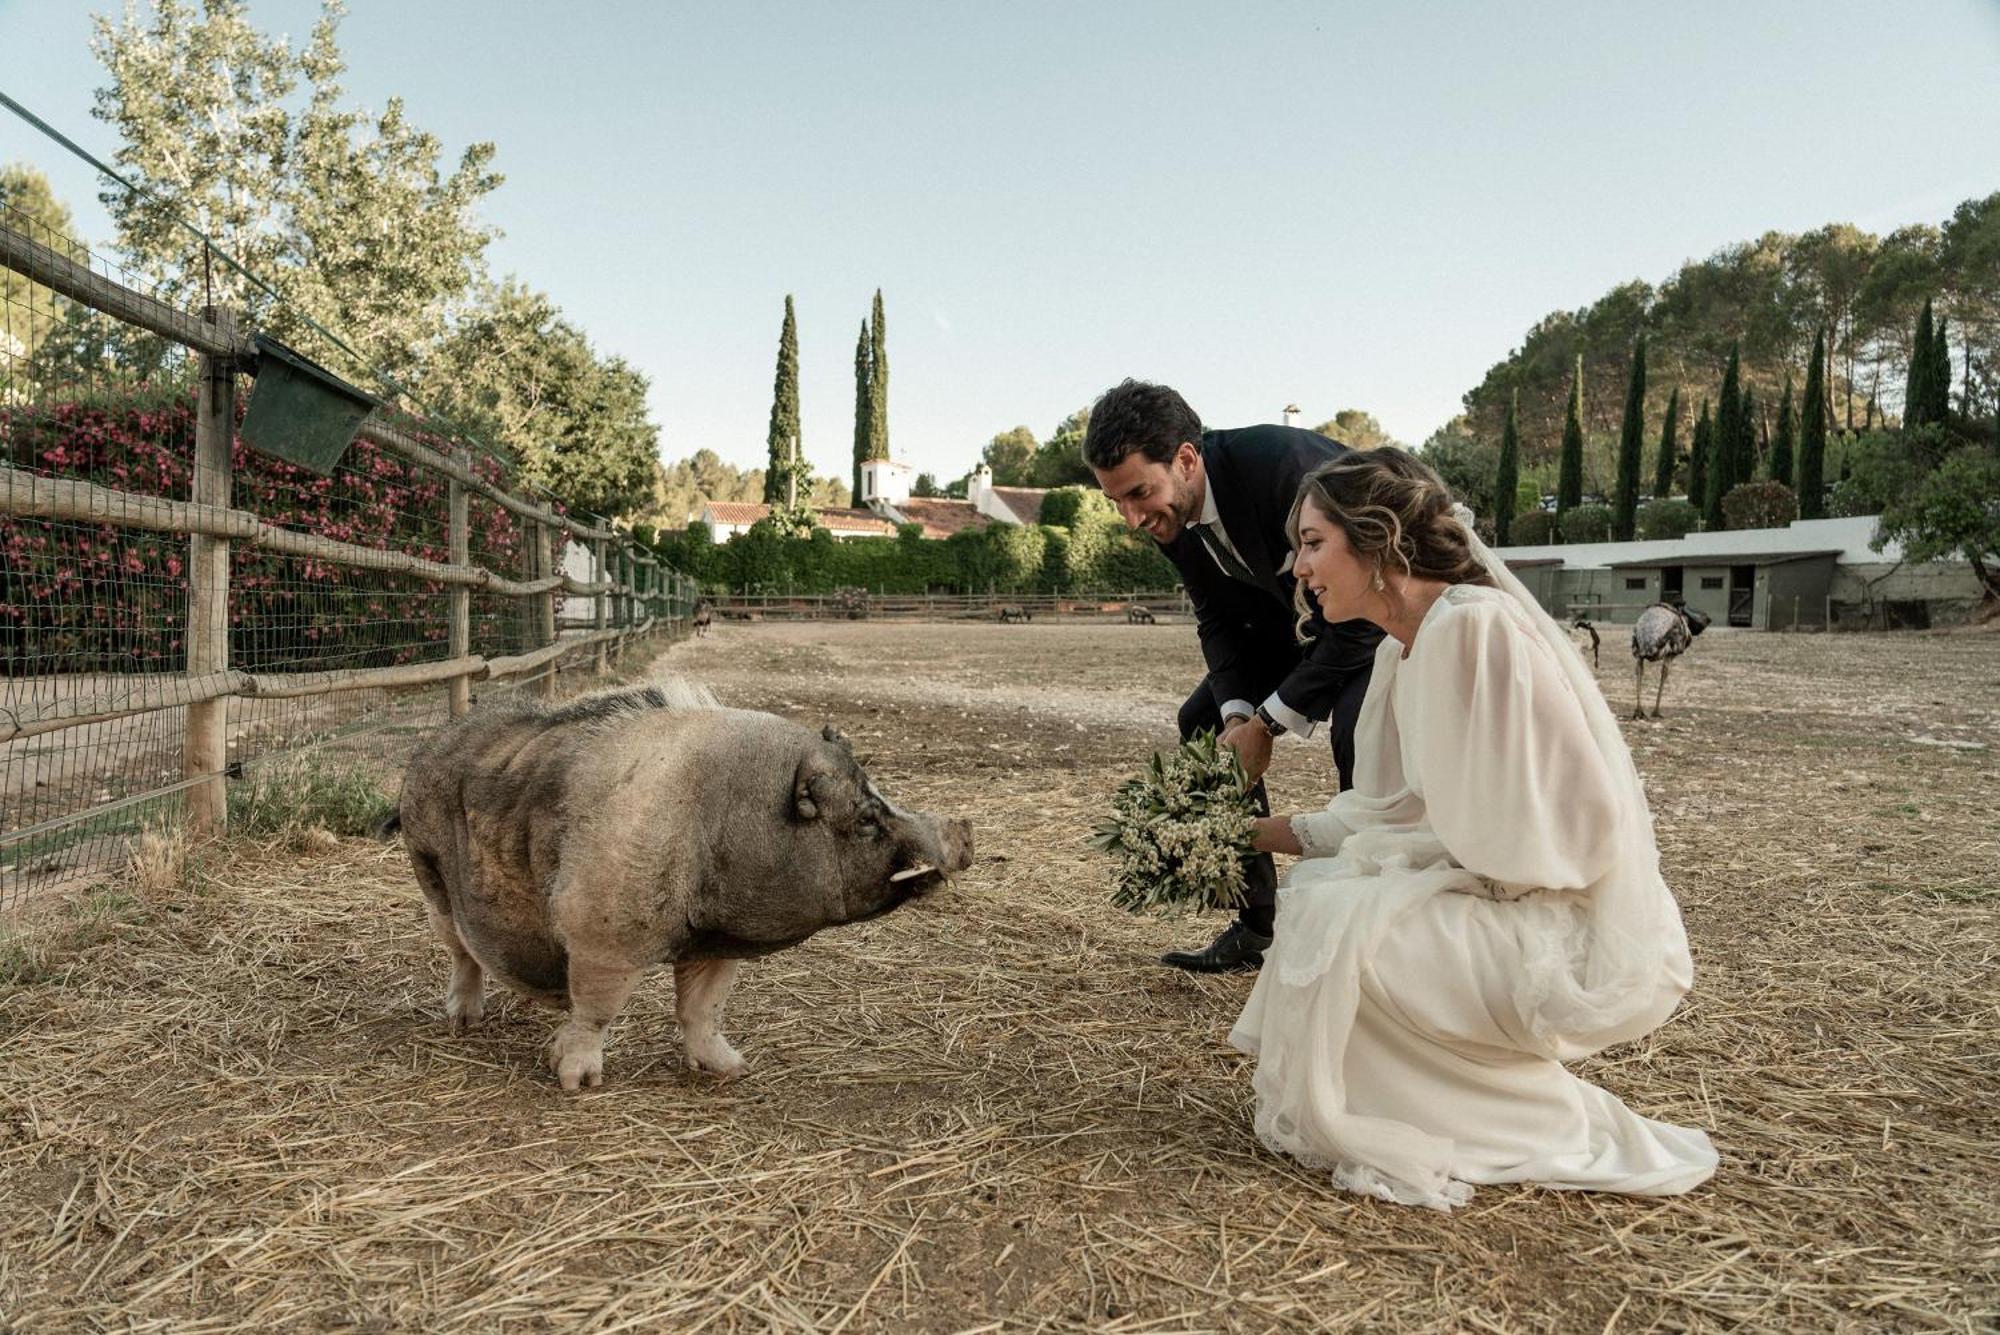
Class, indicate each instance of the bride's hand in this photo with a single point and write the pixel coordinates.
(1274, 835)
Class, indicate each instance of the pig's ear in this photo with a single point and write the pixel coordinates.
(813, 773)
(837, 737)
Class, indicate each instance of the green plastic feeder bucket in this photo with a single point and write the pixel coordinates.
(300, 411)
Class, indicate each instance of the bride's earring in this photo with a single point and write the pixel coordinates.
(1379, 585)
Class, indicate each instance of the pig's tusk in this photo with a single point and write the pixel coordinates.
(908, 872)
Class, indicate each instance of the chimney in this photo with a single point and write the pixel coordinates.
(1291, 414)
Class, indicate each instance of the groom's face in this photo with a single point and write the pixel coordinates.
(1160, 498)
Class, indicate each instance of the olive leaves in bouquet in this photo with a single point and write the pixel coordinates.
(1181, 832)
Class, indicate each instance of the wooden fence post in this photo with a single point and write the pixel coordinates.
(460, 688)
(545, 603)
(597, 576)
(205, 752)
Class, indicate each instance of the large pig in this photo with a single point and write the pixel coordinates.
(568, 850)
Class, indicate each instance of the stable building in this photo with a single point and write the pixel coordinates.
(1760, 591)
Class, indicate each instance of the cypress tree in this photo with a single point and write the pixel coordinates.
(1748, 455)
(1704, 444)
(1631, 441)
(1569, 472)
(1722, 444)
(1940, 375)
(1663, 467)
(1781, 448)
(1812, 435)
(878, 384)
(781, 472)
(864, 411)
(1507, 481)
(1917, 384)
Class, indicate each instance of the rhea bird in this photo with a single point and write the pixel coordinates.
(1660, 635)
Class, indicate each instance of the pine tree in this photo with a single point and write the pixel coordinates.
(864, 408)
(1663, 467)
(878, 383)
(1569, 472)
(1722, 444)
(1507, 481)
(781, 473)
(1704, 445)
(1631, 442)
(1781, 448)
(1812, 435)
(1917, 392)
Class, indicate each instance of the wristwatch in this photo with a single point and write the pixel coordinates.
(1271, 725)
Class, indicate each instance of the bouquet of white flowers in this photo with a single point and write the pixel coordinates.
(1181, 831)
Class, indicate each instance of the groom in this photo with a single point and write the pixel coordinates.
(1216, 502)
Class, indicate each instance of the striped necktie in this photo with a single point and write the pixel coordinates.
(1211, 536)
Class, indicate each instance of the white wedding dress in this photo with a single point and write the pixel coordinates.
(1484, 904)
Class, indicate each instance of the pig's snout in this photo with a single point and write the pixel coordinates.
(957, 841)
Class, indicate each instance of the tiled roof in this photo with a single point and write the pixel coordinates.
(940, 517)
(737, 512)
(840, 520)
(1025, 502)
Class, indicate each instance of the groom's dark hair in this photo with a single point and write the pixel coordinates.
(1134, 415)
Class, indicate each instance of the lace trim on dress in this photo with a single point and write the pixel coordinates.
(1309, 845)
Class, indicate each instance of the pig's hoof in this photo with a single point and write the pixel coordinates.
(716, 1057)
(577, 1058)
(462, 1013)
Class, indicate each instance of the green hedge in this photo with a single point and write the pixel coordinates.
(1094, 553)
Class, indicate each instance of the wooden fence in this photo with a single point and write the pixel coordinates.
(632, 594)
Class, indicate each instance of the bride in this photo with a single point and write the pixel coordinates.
(1484, 904)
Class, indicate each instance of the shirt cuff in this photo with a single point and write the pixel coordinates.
(1293, 720)
(1236, 709)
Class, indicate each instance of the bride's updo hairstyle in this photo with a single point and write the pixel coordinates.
(1395, 512)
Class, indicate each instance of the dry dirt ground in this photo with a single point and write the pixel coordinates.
(231, 1106)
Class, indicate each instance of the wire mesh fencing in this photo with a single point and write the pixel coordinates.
(182, 615)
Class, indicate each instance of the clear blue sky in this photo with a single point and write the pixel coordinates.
(1335, 204)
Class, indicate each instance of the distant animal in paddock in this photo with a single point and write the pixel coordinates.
(1580, 628)
(704, 617)
(1660, 635)
(1014, 612)
(1136, 615)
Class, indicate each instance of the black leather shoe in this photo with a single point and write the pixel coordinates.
(1238, 949)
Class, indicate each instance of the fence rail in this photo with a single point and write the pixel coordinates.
(948, 606)
(84, 749)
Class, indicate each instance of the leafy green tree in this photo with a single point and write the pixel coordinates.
(1507, 479)
(1782, 447)
(1355, 429)
(1467, 465)
(1666, 518)
(347, 215)
(1764, 504)
(1569, 478)
(29, 311)
(1698, 457)
(1665, 463)
(1936, 494)
(1631, 442)
(926, 485)
(1010, 456)
(520, 376)
(864, 408)
(1058, 461)
(1812, 435)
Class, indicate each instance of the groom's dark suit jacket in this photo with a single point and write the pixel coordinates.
(1246, 630)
